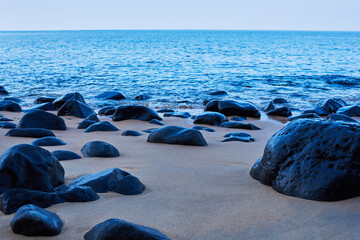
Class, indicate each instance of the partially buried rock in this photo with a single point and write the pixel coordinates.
(85, 124)
(31, 220)
(45, 100)
(203, 128)
(99, 149)
(165, 110)
(104, 109)
(229, 108)
(131, 133)
(10, 106)
(69, 96)
(240, 125)
(114, 180)
(101, 126)
(327, 107)
(111, 96)
(143, 96)
(238, 136)
(149, 130)
(350, 111)
(341, 117)
(120, 229)
(7, 125)
(48, 141)
(217, 93)
(3, 91)
(280, 112)
(75, 108)
(210, 118)
(38, 118)
(30, 132)
(135, 112)
(312, 159)
(45, 106)
(177, 135)
(157, 122)
(65, 155)
(305, 115)
(178, 114)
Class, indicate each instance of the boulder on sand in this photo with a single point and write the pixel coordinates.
(210, 118)
(65, 155)
(10, 106)
(75, 108)
(135, 112)
(101, 126)
(48, 141)
(99, 149)
(38, 118)
(69, 96)
(233, 108)
(30, 132)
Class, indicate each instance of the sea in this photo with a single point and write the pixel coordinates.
(180, 69)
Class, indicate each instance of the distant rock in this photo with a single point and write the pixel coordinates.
(93, 117)
(62, 155)
(232, 108)
(69, 96)
(85, 124)
(113, 179)
(135, 112)
(341, 117)
(143, 96)
(350, 111)
(44, 106)
(279, 101)
(203, 128)
(178, 114)
(177, 135)
(240, 125)
(217, 93)
(99, 149)
(157, 122)
(111, 96)
(30, 132)
(113, 228)
(305, 115)
(3, 91)
(131, 133)
(165, 110)
(14, 99)
(327, 107)
(101, 126)
(109, 112)
(31, 220)
(38, 118)
(149, 130)
(44, 100)
(10, 106)
(75, 108)
(7, 125)
(238, 136)
(211, 118)
(238, 119)
(280, 112)
(103, 110)
(48, 141)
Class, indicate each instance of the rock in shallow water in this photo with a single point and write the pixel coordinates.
(103, 110)
(238, 136)
(45, 100)
(305, 115)
(341, 117)
(99, 149)
(312, 159)
(131, 133)
(135, 112)
(280, 112)
(111, 95)
(10, 106)
(143, 96)
(350, 111)
(3, 91)
(38, 118)
(240, 125)
(30, 132)
(229, 108)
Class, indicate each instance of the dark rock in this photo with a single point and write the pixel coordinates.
(135, 112)
(350, 111)
(150, 130)
(114, 180)
(232, 108)
(279, 101)
(7, 125)
(341, 117)
(44, 100)
(75, 108)
(103, 110)
(305, 115)
(111, 96)
(30, 167)
(327, 107)
(10, 106)
(3, 91)
(238, 139)
(93, 117)
(157, 122)
(109, 112)
(312, 159)
(203, 128)
(30, 132)
(217, 93)
(99, 149)
(85, 124)
(281, 112)
(48, 141)
(69, 96)
(270, 106)
(44, 106)
(70, 193)
(31, 220)
(38, 118)
(143, 96)
(238, 119)
(131, 133)
(193, 117)
(120, 229)
(65, 155)
(14, 99)
(165, 110)
(101, 126)
(177, 135)
(240, 125)
(2, 119)
(210, 118)
(178, 114)
(240, 136)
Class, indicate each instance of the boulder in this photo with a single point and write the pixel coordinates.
(149, 130)
(99, 149)
(48, 141)
(85, 124)
(120, 229)
(177, 135)
(44, 106)
(240, 125)
(312, 159)
(157, 122)
(65, 155)
(143, 96)
(238, 136)
(10, 106)
(93, 117)
(38, 118)
(131, 133)
(111, 96)
(113, 180)
(69, 96)
(14, 99)
(3, 91)
(327, 107)
(280, 101)
(203, 128)
(341, 117)
(44, 100)
(31, 220)
(7, 125)
(30, 132)
(305, 115)
(232, 108)
(101, 126)
(135, 112)
(110, 112)
(280, 112)
(30, 167)
(75, 108)
(104, 109)
(211, 118)
(350, 111)
(178, 114)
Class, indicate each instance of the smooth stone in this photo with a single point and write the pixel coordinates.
(104, 126)
(14, 99)
(7, 125)
(327, 107)
(93, 117)
(203, 128)
(135, 112)
(281, 112)
(165, 110)
(48, 141)
(31, 220)
(157, 122)
(312, 159)
(62, 155)
(76, 109)
(210, 118)
(44, 100)
(113, 180)
(240, 125)
(239, 139)
(149, 130)
(38, 118)
(233, 108)
(69, 96)
(143, 96)
(3, 91)
(44, 106)
(109, 112)
(238, 119)
(341, 117)
(131, 133)
(85, 124)
(30, 167)
(241, 136)
(99, 149)
(217, 93)
(120, 229)
(70, 193)
(177, 135)
(104, 109)
(178, 114)
(350, 111)
(270, 106)
(30, 132)
(280, 101)
(111, 95)
(305, 115)
(10, 106)
(2, 119)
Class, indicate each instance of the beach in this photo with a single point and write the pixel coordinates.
(191, 192)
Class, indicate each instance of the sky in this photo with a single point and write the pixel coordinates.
(327, 15)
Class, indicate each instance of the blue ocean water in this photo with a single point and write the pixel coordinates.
(181, 68)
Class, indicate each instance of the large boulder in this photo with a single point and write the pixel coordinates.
(135, 112)
(30, 132)
(312, 159)
(30, 167)
(101, 126)
(113, 179)
(99, 149)
(350, 111)
(10, 106)
(210, 118)
(38, 118)
(31, 220)
(120, 229)
(230, 108)
(177, 135)
(111, 96)
(69, 96)
(75, 108)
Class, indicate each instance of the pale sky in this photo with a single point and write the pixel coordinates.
(343, 15)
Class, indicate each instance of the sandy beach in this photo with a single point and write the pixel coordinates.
(191, 192)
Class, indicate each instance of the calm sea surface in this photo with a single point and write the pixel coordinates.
(181, 68)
